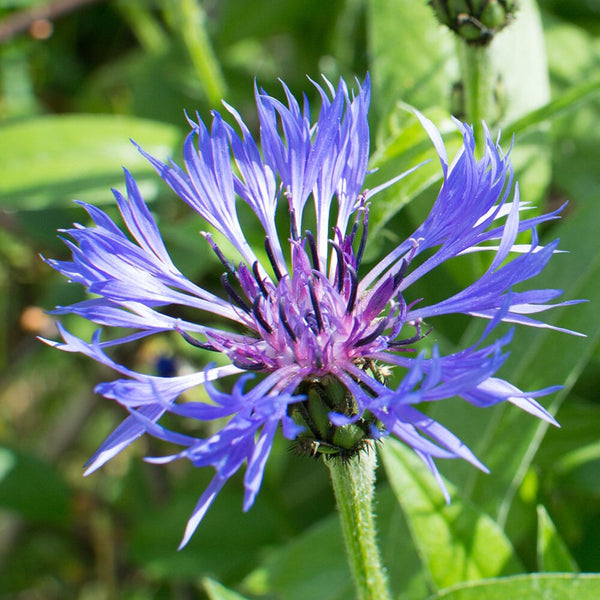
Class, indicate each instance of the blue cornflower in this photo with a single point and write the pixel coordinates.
(316, 339)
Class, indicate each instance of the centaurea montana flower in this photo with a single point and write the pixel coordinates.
(321, 337)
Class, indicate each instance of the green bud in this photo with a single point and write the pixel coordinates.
(476, 21)
(441, 14)
(326, 449)
(457, 7)
(493, 15)
(470, 32)
(319, 413)
(320, 435)
(348, 437)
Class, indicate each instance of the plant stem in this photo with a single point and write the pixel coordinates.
(188, 20)
(353, 482)
(478, 82)
(478, 88)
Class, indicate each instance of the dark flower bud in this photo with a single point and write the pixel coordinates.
(476, 21)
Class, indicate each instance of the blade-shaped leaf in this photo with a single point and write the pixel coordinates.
(505, 438)
(457, 542)
(54, 159)
(412, 55)
(570, 100)
(313, 565)
(552, 552)
(519, 57)
(217, 591)
(528, 587)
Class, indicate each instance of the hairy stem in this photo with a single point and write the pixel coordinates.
(353, 482)
(478, 88)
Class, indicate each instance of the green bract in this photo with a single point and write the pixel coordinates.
(476, 21)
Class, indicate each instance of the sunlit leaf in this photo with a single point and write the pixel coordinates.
(552, 552)
(505, 438)
(54, 159)
(407, 147)
(570, 100)
(457, 541)
(528, 587)
(217, 591)
(413, 55)
(519, 57)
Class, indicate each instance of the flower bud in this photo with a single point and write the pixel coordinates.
(320, 435)
(476, 21)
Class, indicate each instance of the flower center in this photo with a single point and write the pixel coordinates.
(309, 322)
(308, 319)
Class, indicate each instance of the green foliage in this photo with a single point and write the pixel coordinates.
(312, 565)
(528, 587)
(552, 552)
(32, 488)
(456, 542)
(54, 159)
(216, 591)
(116, 70)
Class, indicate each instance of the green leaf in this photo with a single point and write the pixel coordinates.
(576, 442)
(570, 100)
(217, 591)
(189, 22)
(413, 57)
(57, 158)
(528, 587)
(313, 565)
(32, 488)
(518, 54)
(428, 79)
(578, 471)
(457, 542)
(552, 552)
(505, 438)
(407, 147)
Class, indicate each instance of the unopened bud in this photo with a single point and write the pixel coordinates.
(476, 21)
(320, 436)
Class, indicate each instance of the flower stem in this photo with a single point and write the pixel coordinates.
(353, 482)
(478, 88)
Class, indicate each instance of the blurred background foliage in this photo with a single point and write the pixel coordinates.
(78, 78)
